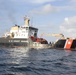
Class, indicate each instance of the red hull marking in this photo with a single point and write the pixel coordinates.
(68, 43)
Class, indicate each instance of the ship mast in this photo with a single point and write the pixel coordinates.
(26, 24)
(26, 20)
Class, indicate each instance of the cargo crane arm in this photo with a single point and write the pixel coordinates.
(55, 35)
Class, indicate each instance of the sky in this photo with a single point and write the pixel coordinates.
(49, 16)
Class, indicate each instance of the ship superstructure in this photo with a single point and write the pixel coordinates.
(24, 31)
(19, 35)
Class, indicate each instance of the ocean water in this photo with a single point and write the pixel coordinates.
(24, 61)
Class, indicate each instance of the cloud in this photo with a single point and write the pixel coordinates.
(35, 1)
(41, 1)
(46, 9)
(68, 27)
(72, 0)
(67, 8)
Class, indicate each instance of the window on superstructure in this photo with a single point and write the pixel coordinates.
(35, 33)
(27, 29)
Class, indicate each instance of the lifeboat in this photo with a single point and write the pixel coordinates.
(41, 40)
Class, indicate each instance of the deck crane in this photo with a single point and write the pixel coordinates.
(60, 36)
(55, 35)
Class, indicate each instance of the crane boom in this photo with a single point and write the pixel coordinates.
(55, 35)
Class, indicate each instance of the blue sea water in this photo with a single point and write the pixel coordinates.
(24, 61)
